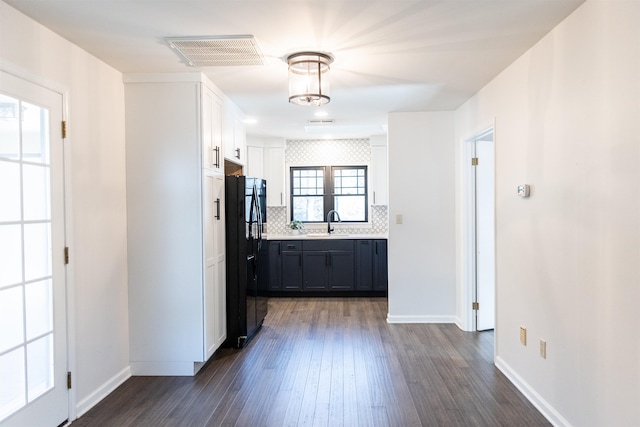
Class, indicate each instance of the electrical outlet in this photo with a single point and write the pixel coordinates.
(399, 219)
(523, 335)
(543, 349)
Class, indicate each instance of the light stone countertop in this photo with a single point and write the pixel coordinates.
(323, 236)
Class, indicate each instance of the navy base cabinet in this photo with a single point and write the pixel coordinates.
(327, 267)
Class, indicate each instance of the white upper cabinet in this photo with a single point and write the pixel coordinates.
(235, 143)
(378, 173)
(266, 160)
(255, 161)
(212, 131)
(274, 171)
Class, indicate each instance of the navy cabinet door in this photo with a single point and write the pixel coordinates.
(341, 271)
(316, 270)
(274, 265)
(380, 269)
(291, 270)
(364, 265)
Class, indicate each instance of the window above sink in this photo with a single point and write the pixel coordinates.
(316, 190)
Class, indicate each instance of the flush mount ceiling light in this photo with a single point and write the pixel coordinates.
(215, 51)
(308, 78)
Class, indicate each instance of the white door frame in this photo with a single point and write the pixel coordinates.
(469, 228)
(53, 86)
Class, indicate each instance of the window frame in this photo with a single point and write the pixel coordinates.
(328, 197)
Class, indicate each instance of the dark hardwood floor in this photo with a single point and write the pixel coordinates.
(331, 362)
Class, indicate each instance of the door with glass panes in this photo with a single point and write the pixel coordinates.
(33, 346)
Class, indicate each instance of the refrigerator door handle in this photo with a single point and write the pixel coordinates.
(253, 213)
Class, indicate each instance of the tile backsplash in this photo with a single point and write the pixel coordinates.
(277, 220)
(323, 152)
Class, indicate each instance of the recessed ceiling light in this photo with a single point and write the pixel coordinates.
(250, 121)
(320, 114)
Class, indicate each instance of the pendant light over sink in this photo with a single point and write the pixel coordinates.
(308, 78)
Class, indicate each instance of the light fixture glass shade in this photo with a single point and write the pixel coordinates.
(308, 78)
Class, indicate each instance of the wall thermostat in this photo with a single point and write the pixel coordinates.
(523, 190)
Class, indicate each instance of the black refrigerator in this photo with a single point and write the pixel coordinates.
(246, 209)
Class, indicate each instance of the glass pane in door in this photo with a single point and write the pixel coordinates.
(35, 135)
(11, 314)
(10, 254)
(37, 251)
(9, 127)
(13, 387)
(9, 191)
(36, 192)
(39, 306)
(39, 366)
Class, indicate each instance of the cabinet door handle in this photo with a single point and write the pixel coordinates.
(237, 153)
(217, 156)
(281, 199)
(217, 202)
(374, 197)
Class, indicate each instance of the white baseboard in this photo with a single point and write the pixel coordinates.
(165, 369)
(459, 323)
(542, 405)
(94, 398)
(420, 319)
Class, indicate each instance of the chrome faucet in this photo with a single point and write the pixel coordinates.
(331, 212)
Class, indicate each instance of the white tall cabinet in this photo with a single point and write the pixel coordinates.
(175, 216)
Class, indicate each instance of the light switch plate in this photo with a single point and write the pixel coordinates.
(399, 219)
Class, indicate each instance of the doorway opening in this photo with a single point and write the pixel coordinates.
(479, 231)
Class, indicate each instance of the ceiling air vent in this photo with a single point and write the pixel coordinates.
(215, 51)
(321, 122)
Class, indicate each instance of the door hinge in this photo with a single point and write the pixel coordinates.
(474, 161)
(64, 129)
(68, 380)
(475, 306)
(66, 255)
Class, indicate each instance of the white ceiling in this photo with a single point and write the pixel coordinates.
(390, 55)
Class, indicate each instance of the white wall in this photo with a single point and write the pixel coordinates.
(567, 117)
(95, 105)
(421, 189)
